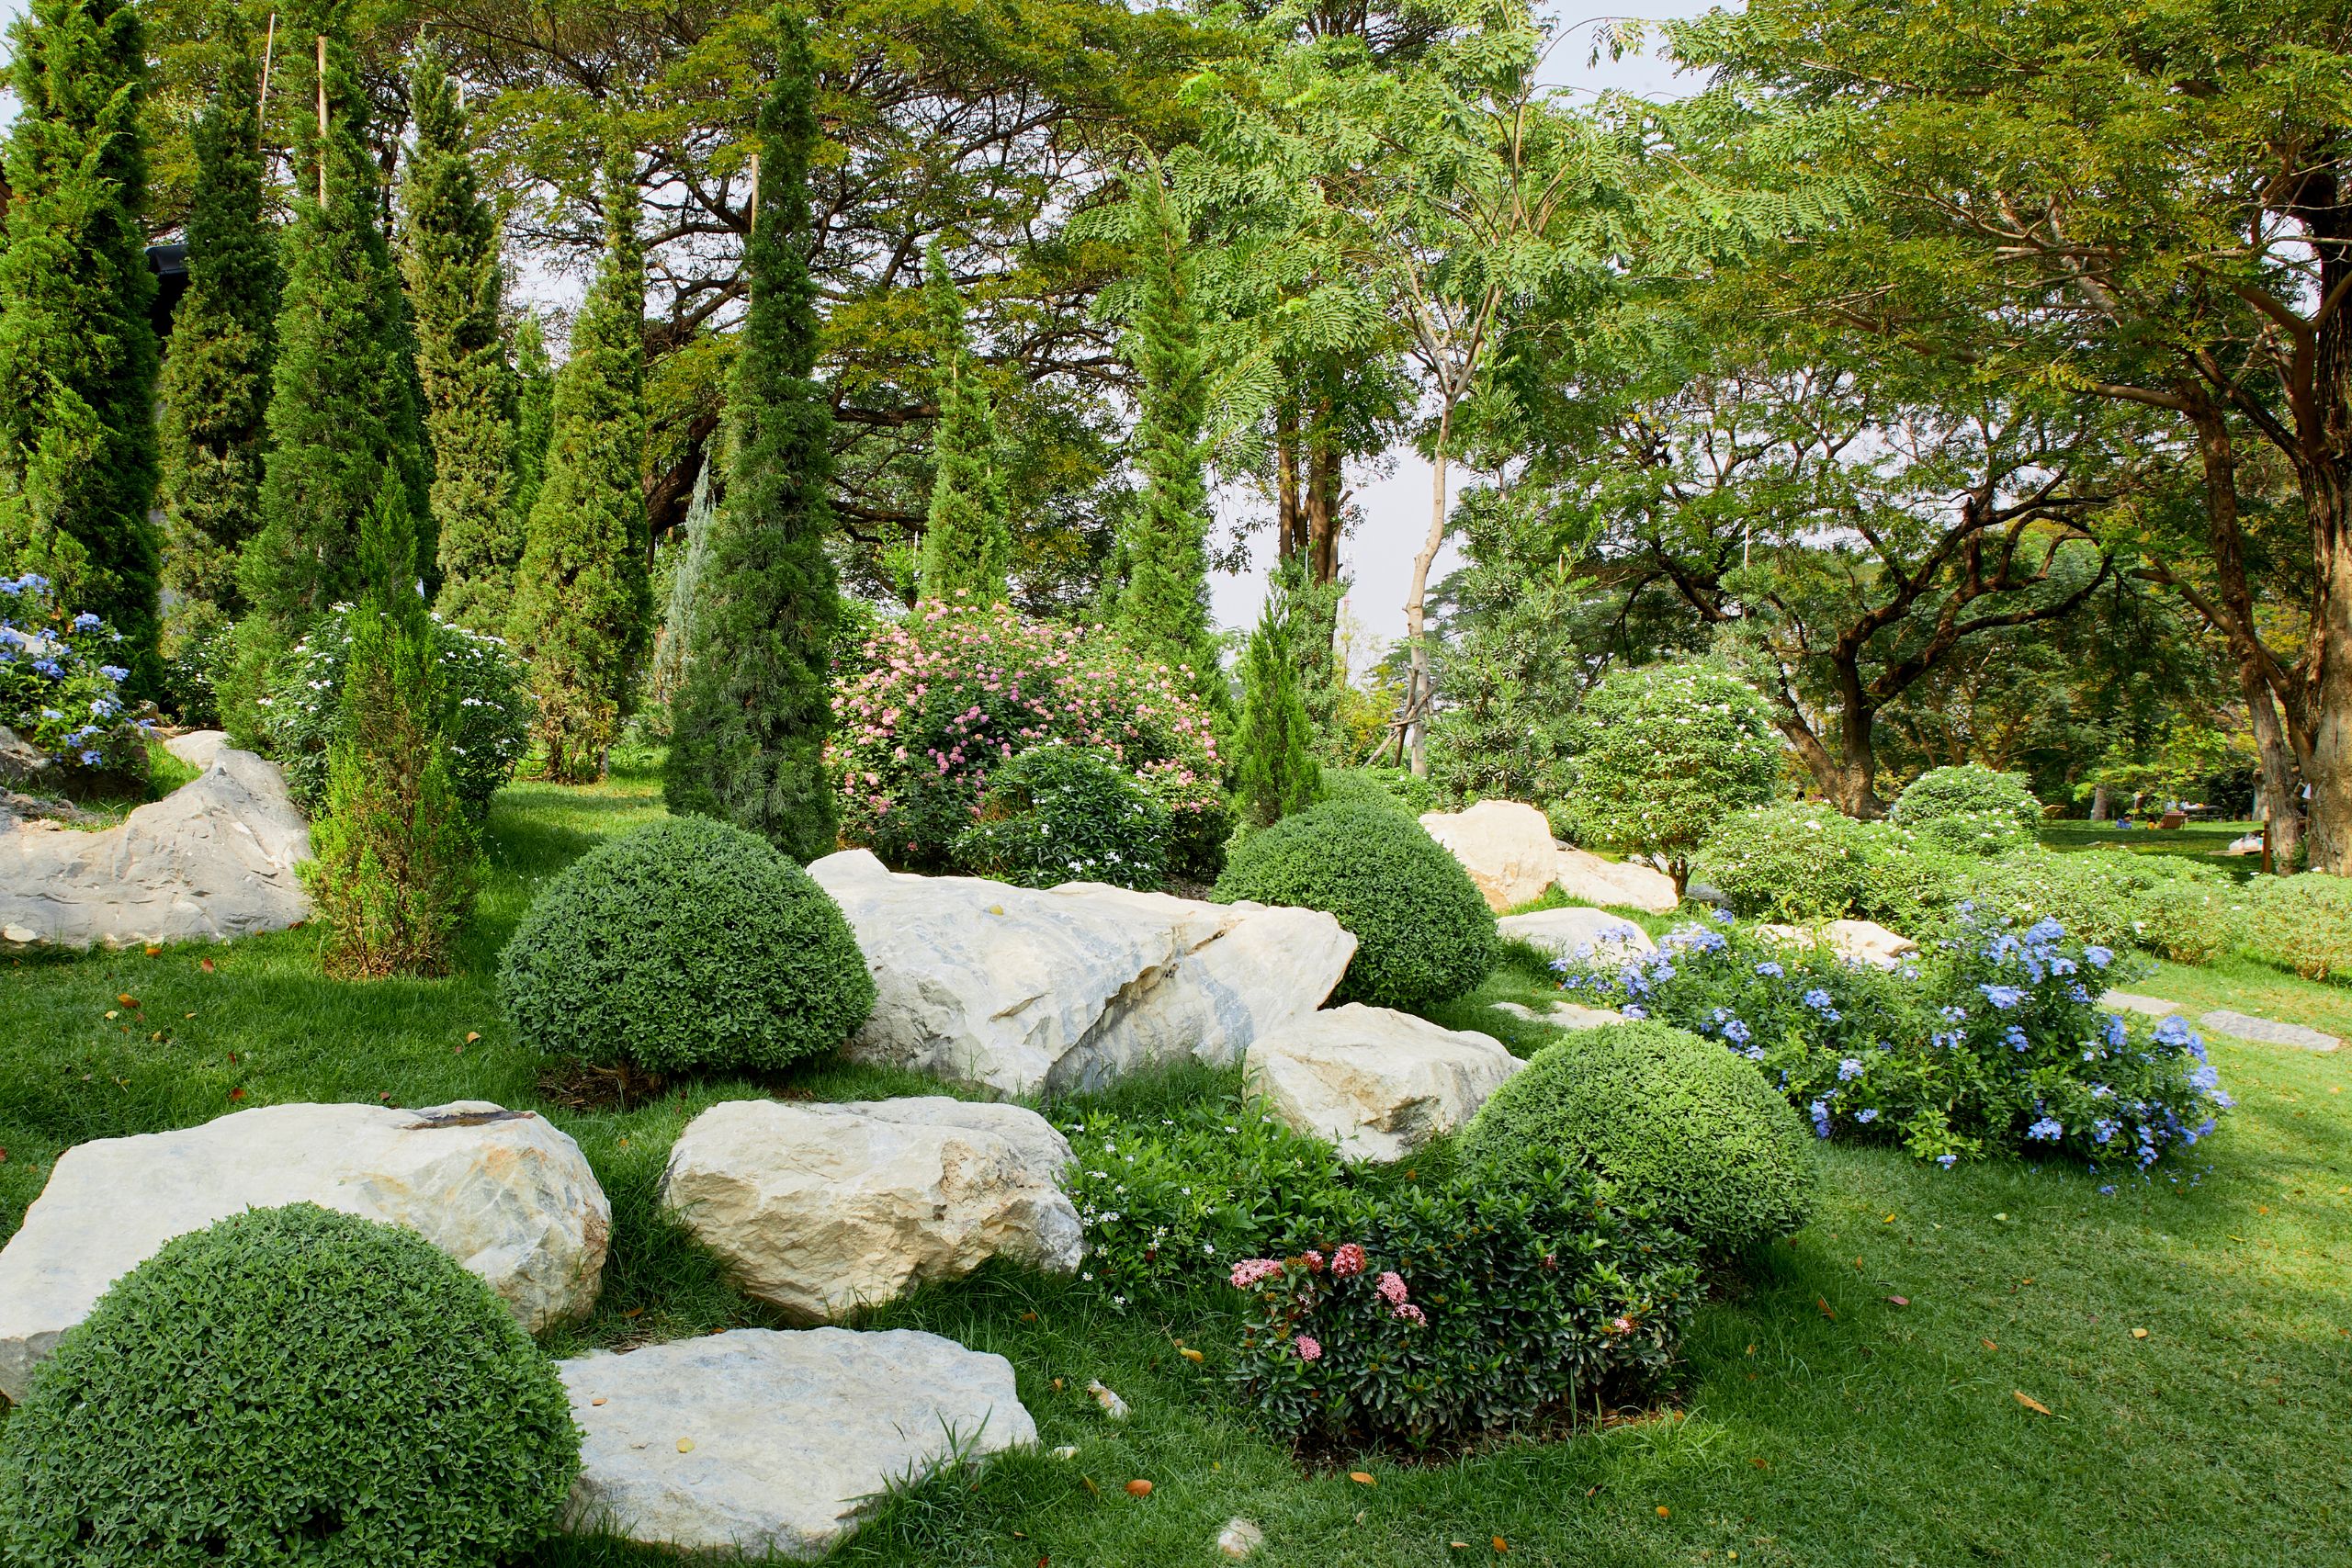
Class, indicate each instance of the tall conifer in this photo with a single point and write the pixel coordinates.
(455, 292)
(1275, 744)
(216, 382)
(582, 604)
(968, 540)
(750, 739)
(77, 348)
(534, 418)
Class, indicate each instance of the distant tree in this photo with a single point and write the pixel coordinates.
(534, 427)
(456, 291)
(583, 602)
(750, 739)
(215, 385)
(1274, 743)
(78, 350)
(968, 540)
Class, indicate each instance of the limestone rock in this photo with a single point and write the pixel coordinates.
(1564, 1015)
(214, 859)
(1505, 846)
(501, 1191)
(2268, 1031)
(197, 748)
(1627, 885)
(1019, 990)
(760, 1440)
(1239, 1540)
(1856, 942)
(1377, 1083)
(822, 1209)
(20, 761)
(1579, 933)
(2152, 1006)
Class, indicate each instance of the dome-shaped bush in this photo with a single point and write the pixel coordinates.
(1673, 1120)
(1969, 808)
(290, 1385)
(1423, 932)
(687, 944)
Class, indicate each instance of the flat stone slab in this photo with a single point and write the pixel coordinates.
(2151, 1007)
(1578, 934)
(2267, 1031)
(1376, 1083)
(501, 1191)
(766, 1440)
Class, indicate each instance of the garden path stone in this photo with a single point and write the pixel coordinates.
(1377, 1083)
(1586, 875)
(2267, 1031)
(1019, 990)
(1505, 846)
(766, 1440)
(2152, 1006)
(197, 748)
(501, 1191)
(214, 859)
(822, 1209)
(1578, 934)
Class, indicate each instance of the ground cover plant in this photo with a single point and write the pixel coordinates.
(62, 681)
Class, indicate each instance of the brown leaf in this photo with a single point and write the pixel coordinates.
(1988, 1344)
(1900, 1300)
(1191, 1355)
(2031, 1403)
(153, 951)
(1823, 1302)
(1501, 1544)
(1091, 1490)
(205, 965)
(127, 1000)
(1663, 1512)
(1362, 1478)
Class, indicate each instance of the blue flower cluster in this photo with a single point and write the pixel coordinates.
(60, 690)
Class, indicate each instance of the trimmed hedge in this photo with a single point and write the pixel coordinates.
(685, 945)
(290, 1386)
(2303, 923)
(1675, 1123)
(1423, 935)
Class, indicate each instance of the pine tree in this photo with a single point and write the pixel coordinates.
(750, 739)
(396, 865)
(1162, 609)
(216, 382)
(968, 540)
(456, 291)
(583, 602)
(534, 419)
(342, 407)
(77, 349)
(1276, 743)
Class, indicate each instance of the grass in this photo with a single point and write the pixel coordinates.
(1815, 1422)
(2201, 841)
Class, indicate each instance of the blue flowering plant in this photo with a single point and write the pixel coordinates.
(60, 691)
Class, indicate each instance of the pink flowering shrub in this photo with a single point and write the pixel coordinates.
(1498, 1298)
(934, 702)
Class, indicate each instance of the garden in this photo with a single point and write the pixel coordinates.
(654, 921)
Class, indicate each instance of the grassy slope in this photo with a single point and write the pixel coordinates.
(1883, 1435)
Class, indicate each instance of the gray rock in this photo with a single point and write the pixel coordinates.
(758, 1441)
(1564, 1015)
(20, 761)
(2267, 1031)
(1376, 1083)
(2153, 1007)
(1579, 933)
(503, 1192)
(1017, 990)
(822, 1209)
(214, 859)
(197, 748)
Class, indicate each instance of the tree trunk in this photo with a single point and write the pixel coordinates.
(1321, 538)
(1418, 688)
(1288, 530)
(2281, 803)
(2328, 769)
(2102, 804)
(1858, 757)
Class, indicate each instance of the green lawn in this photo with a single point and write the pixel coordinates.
(2202, 841)
(1817, 1421)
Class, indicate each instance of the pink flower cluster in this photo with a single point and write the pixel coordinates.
(1347, 1261)
(1309, 1348)
(1391, 1287)
(1249, 1272)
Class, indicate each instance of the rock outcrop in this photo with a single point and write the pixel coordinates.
(1578, 934)
(1856, 942)
(1505, 846)
(1378, 1084)
(1625, 884)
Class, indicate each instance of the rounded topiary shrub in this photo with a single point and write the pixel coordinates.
(1801, 862)
(1675, 1122)
(1969, 808)
(1059, 814)
(290, 1385)
(1423, 932)
(686, 944)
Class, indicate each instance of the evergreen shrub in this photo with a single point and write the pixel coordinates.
(1969, 809)
(1664, 755)
(1059, 814)
(2303, 923)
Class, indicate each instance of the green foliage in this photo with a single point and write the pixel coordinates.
(2161, 904)
(534, 418)
(1423, 934)
(215, 386)
(1058, 813)
(395, 862)
(1432, 1313)
(687, 559)
(290, 1386)
(582, 609)
(1273, 756)
(1969, 809)
(2303, 923)
(967, 539)
(77, 352)
(1673, 1122)
(688, 945)
(1664, 755)
(62, 694)
(490, 728)
(456, 290)
(749, 736)
(1400, 789)
(1801, 861)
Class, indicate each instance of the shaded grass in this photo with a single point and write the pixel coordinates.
(2201, 841)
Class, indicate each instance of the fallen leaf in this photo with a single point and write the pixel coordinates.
(2139, 1334)
(1823, 1302)
(1362, 1478)
(472, 1035)
(1857, 1265)
(157, 1035)
(1138, 1488)
(1458, 1545)
(1900, 1300)
(1663, 1512)
(598, 1400)
(685, 1445)
(205, 965)
(127, 1000)
(1057, 1385)
(111, 1013)
(1760, 1464)
(236, 1094)
(1889, 1220)
(634, 1312)
(153, 951)
(2031, 1403)
(1028, 1318)
(1091, 1490)
(1191, 1355)
(1988, 1344)
(1501, 1544)
(187, 1015)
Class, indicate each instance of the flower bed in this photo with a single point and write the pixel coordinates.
(62, 693)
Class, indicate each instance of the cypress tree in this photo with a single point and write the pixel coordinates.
(968, 540)
(342, 407)
(534, 418)
(583, 602)
(456, 291)
(215, 388)
(1274, 748)
(1162, 609)
(77, 349)
(396, 866)
(676, 640)
(749, 744)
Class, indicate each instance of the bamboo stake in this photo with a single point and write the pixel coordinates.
(754, 225)
(261, 108)
(322, 119)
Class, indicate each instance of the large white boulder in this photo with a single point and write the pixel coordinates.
(214, 859)
(1577, 932)
(765, 1441)
(1377, 1083)
(1505, 846)
(501, 1191)
(1019, 990)
(1628, 884)
(822, 1209)
(1856, 942)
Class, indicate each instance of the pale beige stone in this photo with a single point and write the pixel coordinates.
(1578, 932)
(1856, 942)
(1504, 845)
(1627, 885)
(1376, 1083)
